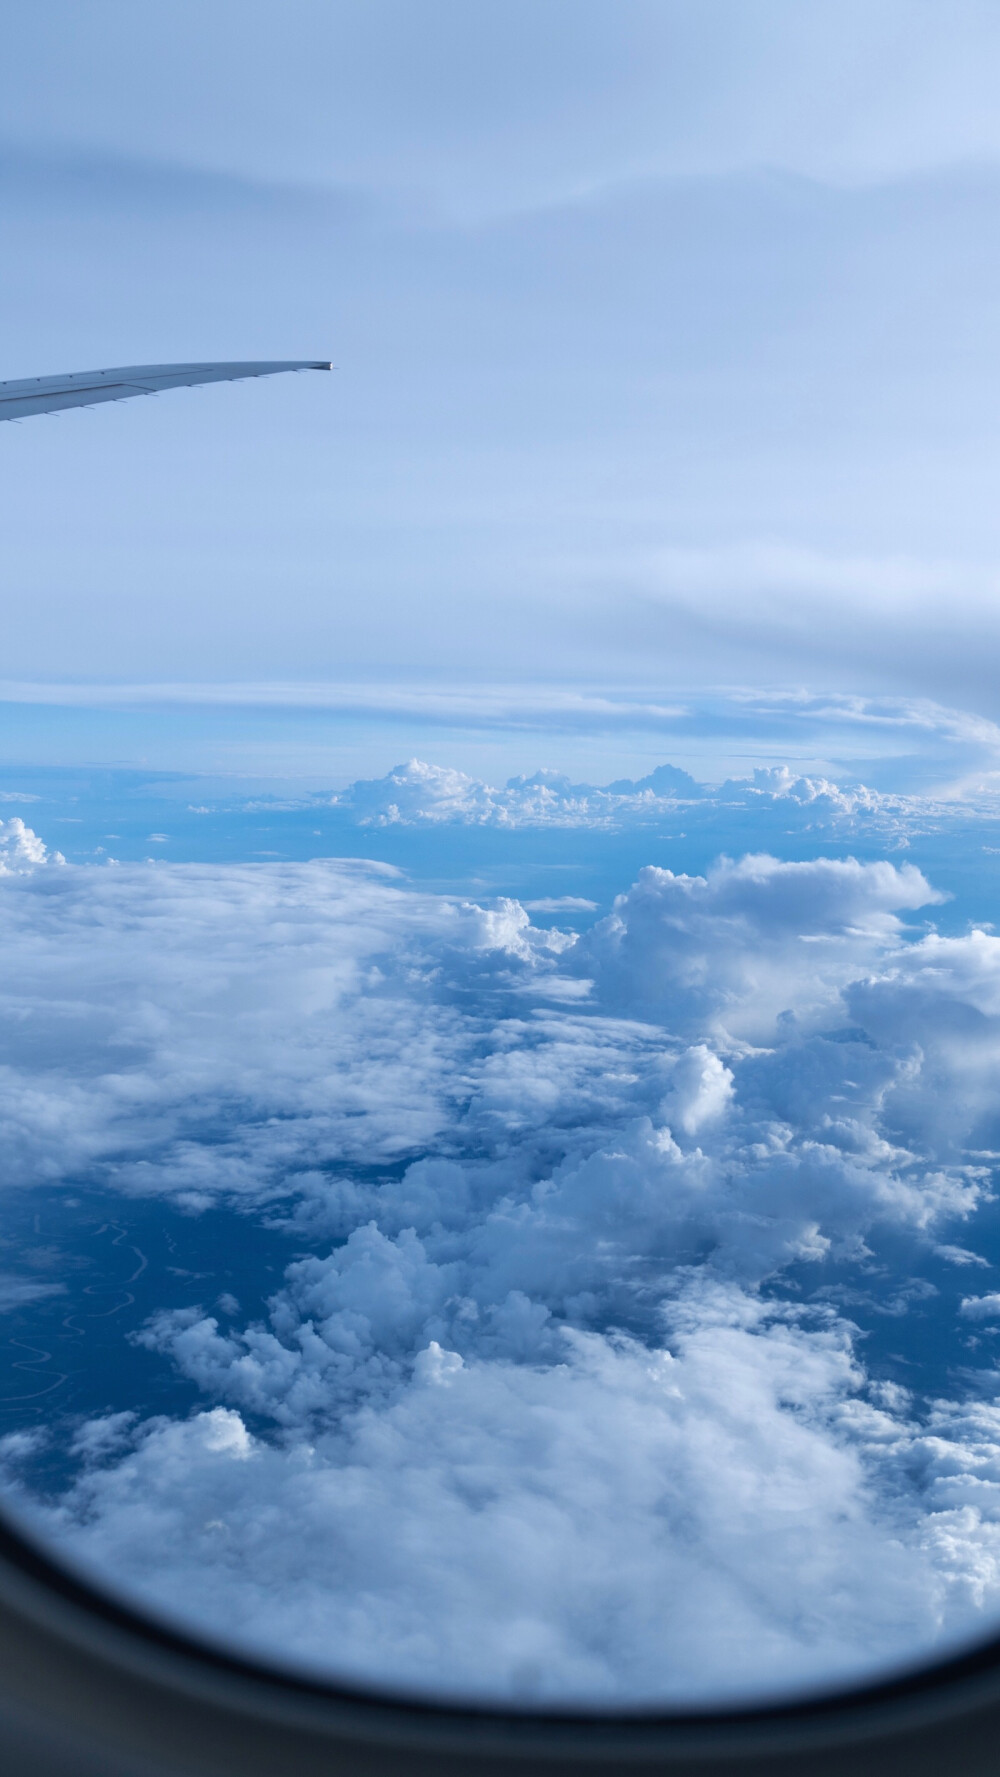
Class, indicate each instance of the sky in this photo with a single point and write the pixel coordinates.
(664, 333)
(498, 845)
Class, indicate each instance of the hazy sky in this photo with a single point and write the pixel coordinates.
(666, 338)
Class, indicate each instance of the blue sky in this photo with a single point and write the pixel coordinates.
(665, 341)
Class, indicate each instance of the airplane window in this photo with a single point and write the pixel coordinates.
(500, 1017)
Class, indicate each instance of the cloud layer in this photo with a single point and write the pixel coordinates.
(420, 794)
(564, 1396)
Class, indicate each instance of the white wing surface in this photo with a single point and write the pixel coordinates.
(52, 394)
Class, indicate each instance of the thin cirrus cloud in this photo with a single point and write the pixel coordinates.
(514, 106)
(710, 407)
(177, 723)
(567, 1372)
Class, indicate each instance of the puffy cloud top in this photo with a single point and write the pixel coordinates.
(732, 951)
(418, 793)
(21, 849)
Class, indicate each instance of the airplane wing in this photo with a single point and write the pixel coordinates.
(52, 394)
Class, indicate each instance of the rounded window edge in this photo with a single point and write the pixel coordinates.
(92, 1684)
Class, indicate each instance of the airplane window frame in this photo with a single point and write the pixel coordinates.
(92, 1686)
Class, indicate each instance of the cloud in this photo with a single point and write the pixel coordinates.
(752, 940)
(547, 1529)
(490, 115)
(980, 1307)
(896, 743)
(421, 794)
(772, 573)
(700, 1090)
(561, 904)
(418, 793)
(624, 1523)
(15, 1291)
(942, 745)
(488, 705)
(562, 1397)
(21, 850)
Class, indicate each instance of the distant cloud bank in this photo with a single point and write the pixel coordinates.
(416, 792)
